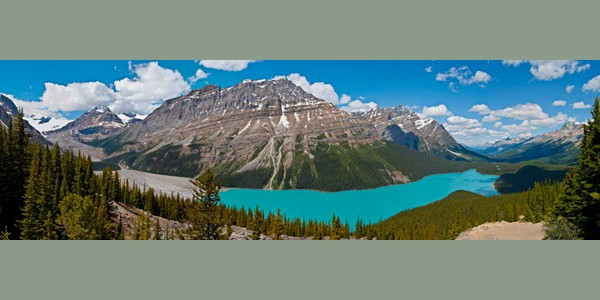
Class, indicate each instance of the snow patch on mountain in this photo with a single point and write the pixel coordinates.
(423, 123)
(43, 124)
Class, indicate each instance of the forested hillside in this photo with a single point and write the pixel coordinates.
(445, 219)
(48, 193)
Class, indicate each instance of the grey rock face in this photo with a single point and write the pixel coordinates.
(9, 111)
(404, 127)
(98, 123)
(559, 146)
(250, 126)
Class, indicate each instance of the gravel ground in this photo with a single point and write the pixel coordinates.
(504, 231)
(163, 183)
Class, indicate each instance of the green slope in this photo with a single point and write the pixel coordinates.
(463, 210)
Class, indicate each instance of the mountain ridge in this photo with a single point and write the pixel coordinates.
(560, 146)
(264, 134)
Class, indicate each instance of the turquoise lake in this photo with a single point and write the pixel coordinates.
(368, 205)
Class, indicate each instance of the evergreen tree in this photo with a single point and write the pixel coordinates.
(277, 226)
(31, 222)
(336, 228)
(120, 230)
(203, 213)
(257, 225)
(14, 170)
(78, 217)
(5, 235)
(142, 227)
(157, 230)
(580, 204)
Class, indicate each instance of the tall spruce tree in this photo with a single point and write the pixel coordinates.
(580, 204)
(14, 170)
(31, 222)
(203, 213)
(258, 223)
(78, 217)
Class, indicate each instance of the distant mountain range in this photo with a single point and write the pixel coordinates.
(272, 134)
(557, 147)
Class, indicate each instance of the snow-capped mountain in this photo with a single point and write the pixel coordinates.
(43, 124)
(559, 146)
(98, 123)
(402, 126)
(130, 117)
(265, 133)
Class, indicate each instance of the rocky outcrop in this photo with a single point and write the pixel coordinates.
(8, 113)
(402, 126)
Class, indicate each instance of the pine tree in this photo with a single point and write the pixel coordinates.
(14, 164)
(30, 224)
(120, 230)
(257, 225)
(580, 204)
(203, 213)
(78, 217)
(157, 230)
(142, 227)
(5, 235)
(336, 228)
(277, 226)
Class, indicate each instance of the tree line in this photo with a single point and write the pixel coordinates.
(48, 193)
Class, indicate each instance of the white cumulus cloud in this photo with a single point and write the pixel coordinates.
(76, 96)
(547, 70)
(226, 65)
(512, 63)
(559, 103)
(523, 127)
(32, 107)
(593, 85)
(481, 109)
(359, 106)
(141, 94)
(463, 76)
(320, 90)
(465, 130)
(436, 111)
(345, 99)
(200, 74)
(148, 89)
(569, 89)
(490, 119)
(581, 105)
(528, 111)
(327, 92)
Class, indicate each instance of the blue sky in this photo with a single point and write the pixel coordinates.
(477, 101)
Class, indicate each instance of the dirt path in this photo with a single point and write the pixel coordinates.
(504, 231)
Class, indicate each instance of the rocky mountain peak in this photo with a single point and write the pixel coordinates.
(402, 126)
(572, 126)
(8, 105)
(8, 113)
(101, 109)
(97, 123)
